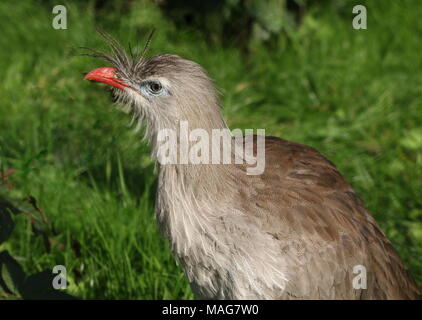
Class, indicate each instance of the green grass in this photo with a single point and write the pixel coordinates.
(354, 95)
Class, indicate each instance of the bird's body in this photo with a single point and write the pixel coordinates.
(296, 231)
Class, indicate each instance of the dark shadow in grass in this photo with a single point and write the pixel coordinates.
(6, 221)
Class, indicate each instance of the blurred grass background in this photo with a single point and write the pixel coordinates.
(296, 68)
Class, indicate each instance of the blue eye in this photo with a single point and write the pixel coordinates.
(153, 87)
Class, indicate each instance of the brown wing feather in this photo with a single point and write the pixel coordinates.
(323, 228)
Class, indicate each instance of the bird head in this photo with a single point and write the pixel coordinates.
(161, 90)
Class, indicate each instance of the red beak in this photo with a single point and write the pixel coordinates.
(106, 75)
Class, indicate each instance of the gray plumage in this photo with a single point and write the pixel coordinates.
(294, 232)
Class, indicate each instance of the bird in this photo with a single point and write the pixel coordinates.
(296, 231)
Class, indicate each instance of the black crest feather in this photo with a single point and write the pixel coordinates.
(126, 62)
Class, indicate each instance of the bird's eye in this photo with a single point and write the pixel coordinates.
(154, 87)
